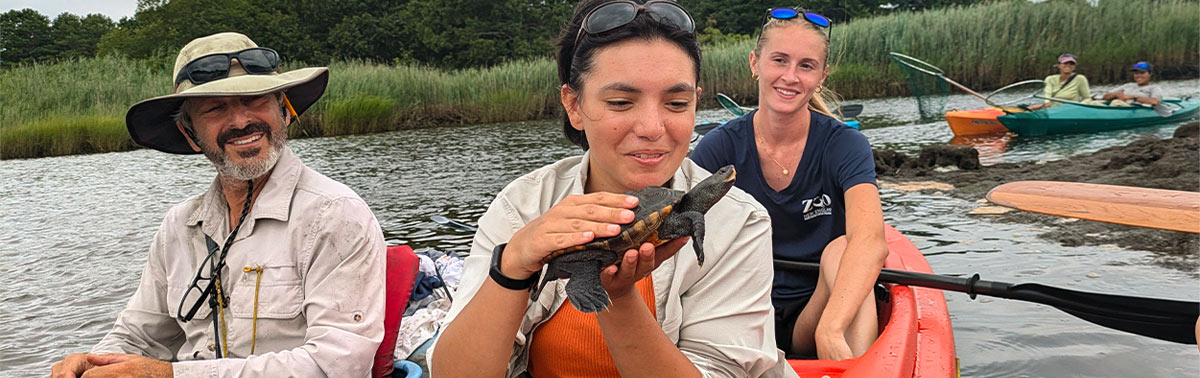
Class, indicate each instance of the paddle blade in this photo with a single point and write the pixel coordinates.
(851, 110)
(460, 226)
(704, 128)
(1144, 207)
(1163, 111)
(730, 105)
(1163, 319)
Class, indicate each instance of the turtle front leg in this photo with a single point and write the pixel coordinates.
(686, 223)
(584, 289)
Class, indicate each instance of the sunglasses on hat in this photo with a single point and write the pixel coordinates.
(616, 14)
(255, 60)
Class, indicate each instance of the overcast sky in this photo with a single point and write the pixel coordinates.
(114, 9)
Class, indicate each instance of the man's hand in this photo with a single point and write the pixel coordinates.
(71, 366)
(127, 365)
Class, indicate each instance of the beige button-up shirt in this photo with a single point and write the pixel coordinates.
(320, 301)
(719, 315)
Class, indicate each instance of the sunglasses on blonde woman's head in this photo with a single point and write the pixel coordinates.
(612, 15)
(788, 13)
(255, 60)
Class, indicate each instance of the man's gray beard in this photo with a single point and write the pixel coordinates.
(250, 171)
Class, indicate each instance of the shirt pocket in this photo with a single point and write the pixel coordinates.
(280, 293)
(175, 294)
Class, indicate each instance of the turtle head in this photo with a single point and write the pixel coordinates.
(706, 194)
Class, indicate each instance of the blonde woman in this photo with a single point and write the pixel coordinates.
(816, 177)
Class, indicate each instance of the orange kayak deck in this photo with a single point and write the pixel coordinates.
(917, 339)
(974, 122)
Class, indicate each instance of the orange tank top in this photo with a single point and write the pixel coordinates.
(570, 343)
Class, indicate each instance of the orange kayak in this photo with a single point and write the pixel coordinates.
(916, 341)
(978, 121)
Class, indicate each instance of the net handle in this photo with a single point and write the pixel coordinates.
(897, 56)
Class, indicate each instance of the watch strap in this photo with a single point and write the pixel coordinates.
(504, 281)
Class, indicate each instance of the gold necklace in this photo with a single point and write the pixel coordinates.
(770, 155)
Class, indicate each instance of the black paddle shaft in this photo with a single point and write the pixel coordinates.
(1163, 319)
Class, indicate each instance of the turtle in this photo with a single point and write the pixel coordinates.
(662, 214)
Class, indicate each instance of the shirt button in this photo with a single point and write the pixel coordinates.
(357, 317)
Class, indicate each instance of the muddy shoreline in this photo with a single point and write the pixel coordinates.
(1171, 163)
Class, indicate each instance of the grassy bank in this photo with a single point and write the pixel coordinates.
(79, 106)
(988, 46)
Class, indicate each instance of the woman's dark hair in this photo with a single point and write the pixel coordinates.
(574, 62)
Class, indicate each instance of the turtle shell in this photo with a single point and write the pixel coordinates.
(654, 205)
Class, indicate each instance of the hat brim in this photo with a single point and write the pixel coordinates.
(151, 123)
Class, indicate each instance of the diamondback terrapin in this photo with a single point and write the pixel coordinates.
(661, 215)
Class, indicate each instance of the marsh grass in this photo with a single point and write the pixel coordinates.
(989, 46)
(358, 115)
(65, 136)
(79, 106)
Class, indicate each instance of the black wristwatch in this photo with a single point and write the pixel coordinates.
(505, 282)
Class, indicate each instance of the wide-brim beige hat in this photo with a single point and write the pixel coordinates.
(151, 123)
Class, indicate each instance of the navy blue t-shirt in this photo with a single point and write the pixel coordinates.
(811, 211)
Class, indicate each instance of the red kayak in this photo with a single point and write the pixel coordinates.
(916, 340)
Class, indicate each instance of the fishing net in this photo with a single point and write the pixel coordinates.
(926, 84)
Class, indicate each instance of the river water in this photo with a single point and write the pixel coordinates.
(74, 232)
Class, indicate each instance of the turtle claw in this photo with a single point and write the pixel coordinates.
(587, 297)
(583, 285)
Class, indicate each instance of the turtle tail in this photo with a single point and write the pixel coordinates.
(537, 290)
(698, 240)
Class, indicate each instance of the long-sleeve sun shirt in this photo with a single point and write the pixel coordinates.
(320, 302)
(719, 315)
(1076, 90)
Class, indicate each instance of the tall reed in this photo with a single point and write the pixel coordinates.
(988, 46)
(65, 136)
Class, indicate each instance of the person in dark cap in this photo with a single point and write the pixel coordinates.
(275, 270)
(1140, 91)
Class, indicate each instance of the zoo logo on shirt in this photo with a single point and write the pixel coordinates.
(817, 206)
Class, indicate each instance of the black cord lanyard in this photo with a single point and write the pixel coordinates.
(219, 264)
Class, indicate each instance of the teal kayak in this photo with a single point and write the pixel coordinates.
(1073, 117)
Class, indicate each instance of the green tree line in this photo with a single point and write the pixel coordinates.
(79, 105)
(439, 33)
(27, 36)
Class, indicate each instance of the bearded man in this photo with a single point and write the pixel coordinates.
(275, 270)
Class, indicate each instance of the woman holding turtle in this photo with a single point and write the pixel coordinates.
(816, 177)
(629, 72)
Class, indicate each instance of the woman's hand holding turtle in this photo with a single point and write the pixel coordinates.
(635, 265)
(577, 219)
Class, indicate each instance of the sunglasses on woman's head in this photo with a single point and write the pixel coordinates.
(616, 14)
(255, 60)
(788, 13)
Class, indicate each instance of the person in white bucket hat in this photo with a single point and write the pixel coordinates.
(275, 270)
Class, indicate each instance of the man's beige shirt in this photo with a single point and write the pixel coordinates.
(320, 303)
